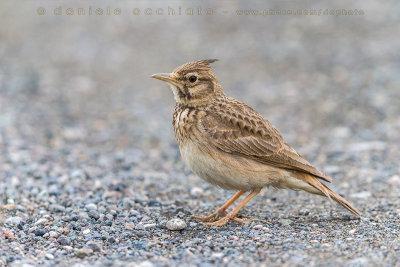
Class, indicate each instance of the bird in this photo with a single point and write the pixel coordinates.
(230, 145)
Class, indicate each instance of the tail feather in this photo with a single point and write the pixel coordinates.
(317, 187)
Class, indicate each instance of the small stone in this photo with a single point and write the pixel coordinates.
(144, 264)
(64, 241)
(285, 222)
(94, 246)
(43, 195)
(78, 174)
(40, 232)
(13, 220)
(304, 212)
(362, 194)
(91, 206)
(149, 225)
(53, 234)
(258, 227)
(57, 208)
(394, 180)
(217, 255)
(68, 248)
(129, 226)
(196, 192)
(128, 203)
(9, 235)
(83, 252)
(352, 231)
(86, 231)
(41, 221)
(176, 224)
(94, 214)
(234, 237)
(49, 256)
(367, 146)
(139, 226)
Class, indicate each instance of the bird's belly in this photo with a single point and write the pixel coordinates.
(229, 171)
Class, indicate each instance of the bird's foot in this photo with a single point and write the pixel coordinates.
(224, 221)
(237, 218)
(211, 218)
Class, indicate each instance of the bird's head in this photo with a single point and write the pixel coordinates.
(193, 83)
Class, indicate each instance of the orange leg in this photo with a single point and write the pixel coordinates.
(222, 210)
(232, 215)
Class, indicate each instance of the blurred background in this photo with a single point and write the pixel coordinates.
(86, 77)
(76, 94)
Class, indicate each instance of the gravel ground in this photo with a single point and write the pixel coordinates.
(90, 173)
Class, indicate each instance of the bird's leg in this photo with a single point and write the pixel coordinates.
(232, 215)
(221, 211)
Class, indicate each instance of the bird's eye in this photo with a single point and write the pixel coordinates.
(192, 79)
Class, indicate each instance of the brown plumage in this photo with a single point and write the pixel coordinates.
(230, 145)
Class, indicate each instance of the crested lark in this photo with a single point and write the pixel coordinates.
(230, 145)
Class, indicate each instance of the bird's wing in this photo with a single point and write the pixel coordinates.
(242, 131)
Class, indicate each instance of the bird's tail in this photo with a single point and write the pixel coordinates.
(317, 187)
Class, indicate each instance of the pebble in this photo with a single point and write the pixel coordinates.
(49, 256)
(41, 221)
(53, 234)
(91, 206)
(86, 231)
(13, 220)
(83, 252)
(285, 222)
(64, 241)
(367, 146)
(96, 247)
(40, 231)
(176, 224)
(9, 235)
(57, 208)
(149, 225)
(144, 264)
(217, 255)
(196, 192)
(94, 214)
(394, 180)
(258, 227)
(362, 194)
(129, 226)
(139, 226)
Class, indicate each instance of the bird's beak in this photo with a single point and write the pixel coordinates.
(166, 77)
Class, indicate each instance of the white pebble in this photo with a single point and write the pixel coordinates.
(53, 234)
(258, 227)
(394, 180)
(91, 206)
(362, 194)
(49, 256)
(86, 231)
(41, 221)
(149, 225)
(176, 224)
(196, 192)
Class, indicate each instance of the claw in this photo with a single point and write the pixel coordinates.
(211, 218)
(222, 222)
